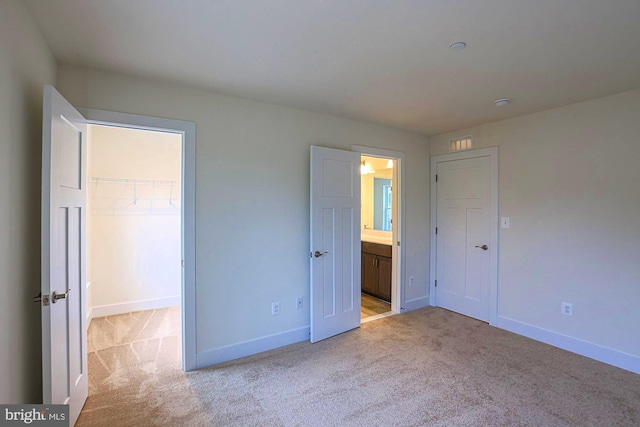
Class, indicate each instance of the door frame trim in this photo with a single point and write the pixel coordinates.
(398, 268)
(492, 153)
(188, 231)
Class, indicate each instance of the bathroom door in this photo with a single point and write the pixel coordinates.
(335, 242)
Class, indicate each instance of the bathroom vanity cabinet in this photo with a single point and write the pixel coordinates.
(376, 270)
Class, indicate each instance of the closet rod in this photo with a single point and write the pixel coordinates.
(135, 182)
(97, 180)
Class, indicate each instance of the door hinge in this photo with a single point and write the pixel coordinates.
(436, 283)
(436, 178)
(436, 230)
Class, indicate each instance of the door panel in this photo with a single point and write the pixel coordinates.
(68, 153)
(463, 222)
(328, 263)
(74, 307)
(335, 235)
(369, 274)
(451, 242)
(347, 259)
(384, 278)
(475, 257)
(64, 358)
(60, 376)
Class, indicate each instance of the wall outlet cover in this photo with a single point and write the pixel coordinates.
(275, 308)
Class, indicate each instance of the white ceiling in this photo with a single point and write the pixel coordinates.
(381, 61)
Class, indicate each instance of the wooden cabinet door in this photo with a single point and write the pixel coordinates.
(384, 278)
(369, 274)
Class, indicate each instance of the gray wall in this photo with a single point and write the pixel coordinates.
(570, 182)
(252, 197)
(25, 65)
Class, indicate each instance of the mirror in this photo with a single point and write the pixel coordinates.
(376, 206)
(382, 204)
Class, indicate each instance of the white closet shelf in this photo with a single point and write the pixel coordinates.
(137, 189)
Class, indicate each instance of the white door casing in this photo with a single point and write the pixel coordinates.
(335, 242)
(464, 220)
(187, 203)
(64, 332)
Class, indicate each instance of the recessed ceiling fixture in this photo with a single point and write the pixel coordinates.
(458, 46)
(502, 101)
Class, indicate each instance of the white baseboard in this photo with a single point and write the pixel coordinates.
(584, 348)
(415, 304)
(128, 307)
(247, 348)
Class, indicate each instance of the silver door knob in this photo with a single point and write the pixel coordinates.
(483, 247)
(318, 254)
(56, 296)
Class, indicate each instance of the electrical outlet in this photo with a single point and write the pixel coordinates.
(412, 280)
(275, 308)
(567, 308)
(299, 302)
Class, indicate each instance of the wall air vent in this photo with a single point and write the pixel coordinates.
(461, 143)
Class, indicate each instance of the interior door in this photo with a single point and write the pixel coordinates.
(335, 242)
(463, 222)
(64, 333)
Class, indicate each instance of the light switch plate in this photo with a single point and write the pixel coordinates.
(506, 222)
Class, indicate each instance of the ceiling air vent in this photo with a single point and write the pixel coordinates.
(461, 143)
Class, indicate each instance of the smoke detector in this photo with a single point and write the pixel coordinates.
(502, 102)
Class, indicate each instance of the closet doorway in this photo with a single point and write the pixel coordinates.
(134, 248)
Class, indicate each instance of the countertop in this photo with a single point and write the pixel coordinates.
(375, 236)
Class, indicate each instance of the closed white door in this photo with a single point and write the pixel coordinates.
(463, 236)
(335, 242)
(64, 329)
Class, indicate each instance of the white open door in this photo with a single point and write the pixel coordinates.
(335, 242)
(64, 332)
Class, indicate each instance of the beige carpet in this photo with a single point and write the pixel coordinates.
(429, 367)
